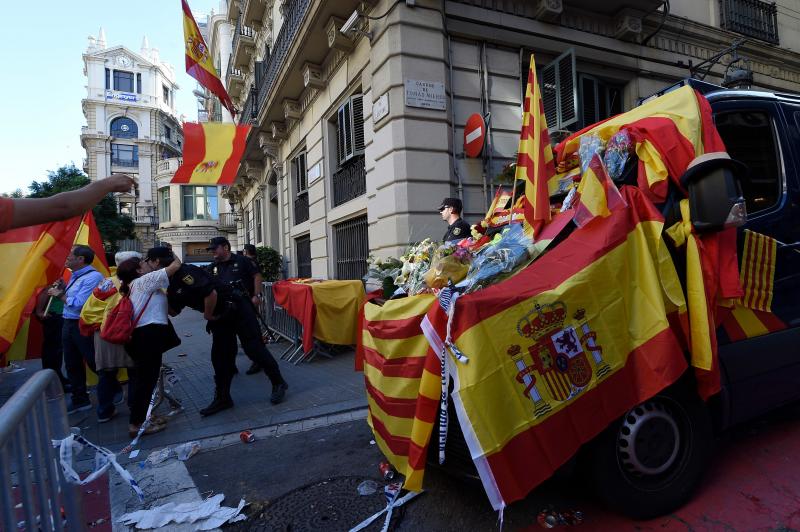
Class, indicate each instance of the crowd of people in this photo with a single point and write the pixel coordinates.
(158, 286)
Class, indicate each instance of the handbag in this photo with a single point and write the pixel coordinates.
(171, 338)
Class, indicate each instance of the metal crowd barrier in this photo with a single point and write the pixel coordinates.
(281, 324)
(29, 421)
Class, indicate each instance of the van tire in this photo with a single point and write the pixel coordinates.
(648, 462)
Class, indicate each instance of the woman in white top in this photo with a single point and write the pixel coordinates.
(145, 282)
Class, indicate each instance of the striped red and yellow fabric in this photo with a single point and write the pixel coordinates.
(535, 158)
(757, 272)
(741, 323)
(667, 133)
(558, 352)
(598, 195)
(33, 257)
(199, 63)
(89, 235)
(211, 153)
(403, 382)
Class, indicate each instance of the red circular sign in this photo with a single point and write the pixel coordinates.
(474, 133)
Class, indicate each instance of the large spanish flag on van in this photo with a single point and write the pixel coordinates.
(565, 347)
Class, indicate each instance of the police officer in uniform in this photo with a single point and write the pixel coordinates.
(457, 228)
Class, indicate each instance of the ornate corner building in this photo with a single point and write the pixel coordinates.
(358, 108)
(132, 127)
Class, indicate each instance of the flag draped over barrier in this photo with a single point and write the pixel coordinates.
(211, 153)
(33, 257)
(199, 63)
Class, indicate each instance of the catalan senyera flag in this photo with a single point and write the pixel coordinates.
(758, 270)
(558, 352)
(535, 164)
(211, 153)
(402, 380)
(33, 257)
(199, 63)
(667, 133)
(598, 195)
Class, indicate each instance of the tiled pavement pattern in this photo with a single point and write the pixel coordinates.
(318, 388)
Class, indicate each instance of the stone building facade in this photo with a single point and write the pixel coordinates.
(358, 108)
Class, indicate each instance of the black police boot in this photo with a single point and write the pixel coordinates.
(278, 392)
(222, 400)
(254, 368)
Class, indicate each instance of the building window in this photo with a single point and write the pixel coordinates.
(350, 129)
(166, 94)
(302, 248)
(753, 18)
(351, 240)
(123, 81)
(300, 180)
(124, 128)
(168, 132)
(257, 213)
(199, 203)
(125, 155)
(749, 138)
(247, 226)
(163, 200)
(598, 99)
(108, 78)
(557, 83)
(138, 83)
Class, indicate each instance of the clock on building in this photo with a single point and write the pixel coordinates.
(124, 61)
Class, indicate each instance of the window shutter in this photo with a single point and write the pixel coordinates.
(357, 105)
(558, 91)
(589, 100)
(340, 151)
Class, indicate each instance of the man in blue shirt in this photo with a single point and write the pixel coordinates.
(79, 348)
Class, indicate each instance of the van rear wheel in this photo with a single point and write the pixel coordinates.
(649, 462)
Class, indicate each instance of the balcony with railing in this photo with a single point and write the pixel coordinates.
(251, 11)
(350, 181)
(243, 40)
(293, 17)
(125, 162)
(752, 18)
(234, 78)
(249, 111)
(301, 208)
(227, 221)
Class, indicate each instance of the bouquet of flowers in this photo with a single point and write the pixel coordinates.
(381, 274)
(415, 264)
(507, 252)
(450, 263)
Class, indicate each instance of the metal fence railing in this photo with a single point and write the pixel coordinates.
(281, 324)
(29, 421)
(753, 18)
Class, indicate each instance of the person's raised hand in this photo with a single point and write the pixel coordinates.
(120, 182)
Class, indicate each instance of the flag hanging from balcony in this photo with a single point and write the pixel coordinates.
(535, 158)
(199, 63)
(211, 153)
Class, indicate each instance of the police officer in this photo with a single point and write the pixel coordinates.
(457, 228)
(195, 288)
(243, 278)
(249, 251)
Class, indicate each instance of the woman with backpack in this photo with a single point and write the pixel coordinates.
(145, 283)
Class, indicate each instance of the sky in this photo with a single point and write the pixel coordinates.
(41, 49)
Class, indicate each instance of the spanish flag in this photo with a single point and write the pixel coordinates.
(535, 158)
(199, 63)
(211, 153)
(598, 195)
(89, 235)
(33, 257)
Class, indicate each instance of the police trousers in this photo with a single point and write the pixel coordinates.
(242, 323)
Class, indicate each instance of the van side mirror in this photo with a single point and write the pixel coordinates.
(715, 193)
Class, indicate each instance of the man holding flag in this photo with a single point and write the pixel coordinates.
(79, 348)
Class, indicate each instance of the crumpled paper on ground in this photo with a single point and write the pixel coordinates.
(205, 515)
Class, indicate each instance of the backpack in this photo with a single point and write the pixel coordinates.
(119, 324)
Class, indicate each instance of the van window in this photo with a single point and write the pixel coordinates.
(749, 138)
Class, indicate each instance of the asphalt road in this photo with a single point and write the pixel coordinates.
(308, 480)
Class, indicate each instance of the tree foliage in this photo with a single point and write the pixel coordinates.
(112, 225)
(270, 262)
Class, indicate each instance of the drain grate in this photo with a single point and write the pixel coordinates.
(332, 504)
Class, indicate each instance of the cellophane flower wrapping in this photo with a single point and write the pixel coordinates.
(498, 260)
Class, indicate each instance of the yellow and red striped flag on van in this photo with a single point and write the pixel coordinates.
(598, 195)
(535, 158)
(211, 153)
(757, 272)
(403, 382)
(199, 63)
